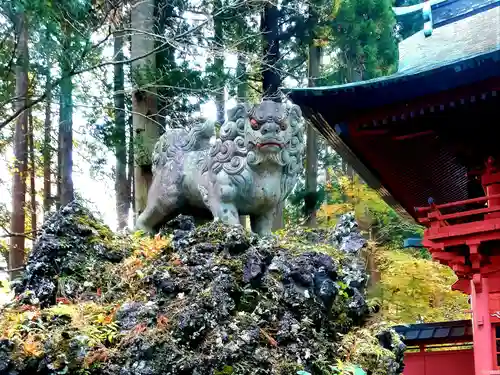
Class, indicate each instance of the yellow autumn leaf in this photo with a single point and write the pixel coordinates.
(140, 274)
(100, 318)
(32, 348)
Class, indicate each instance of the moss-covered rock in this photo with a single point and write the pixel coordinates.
(207, 300)
(72, 249)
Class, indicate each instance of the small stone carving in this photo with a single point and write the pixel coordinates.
(252, 167)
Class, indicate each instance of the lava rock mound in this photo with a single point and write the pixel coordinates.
(205, 300)
(73, 244)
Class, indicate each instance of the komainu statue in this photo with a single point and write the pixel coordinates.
(252, 167)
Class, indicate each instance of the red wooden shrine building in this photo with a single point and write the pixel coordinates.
(438, 348)
(428, 139)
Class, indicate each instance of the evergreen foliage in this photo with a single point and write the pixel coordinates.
(364, 33)
(342, 194)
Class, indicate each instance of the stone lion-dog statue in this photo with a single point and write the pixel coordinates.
(250, 169)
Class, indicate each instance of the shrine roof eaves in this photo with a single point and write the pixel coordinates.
(330, 109)
(436, 333)
(401, 86)
(445, 12)
(456, 54)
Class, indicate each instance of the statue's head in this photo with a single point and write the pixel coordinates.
(266, 128)
(270, 132)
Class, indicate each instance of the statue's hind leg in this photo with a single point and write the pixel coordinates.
(163, 202)
(149, 219)
(263, 224)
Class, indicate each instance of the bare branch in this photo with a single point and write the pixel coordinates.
(9, 234)
(13, 269)
(160, 48)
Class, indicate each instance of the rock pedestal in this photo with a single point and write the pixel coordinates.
(210, 300)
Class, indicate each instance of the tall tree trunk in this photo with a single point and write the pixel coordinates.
(59, 162)
(130, 127)
(218, 51)
(16, 253)
(130, 161)
(164, 60)
(350, 172)
(271, 79)
(347, 170)
(121, 183)
(144, 102)
(278, 221)
(31, 147)
(66, 136)
(241, 74)
(310, 199)
(47, 149)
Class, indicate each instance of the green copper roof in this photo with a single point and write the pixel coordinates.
(465, 38)
(468, 38)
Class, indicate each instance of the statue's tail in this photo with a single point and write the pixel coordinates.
(174, 141)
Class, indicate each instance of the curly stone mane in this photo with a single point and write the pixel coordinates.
(175, 142)
(230, 153)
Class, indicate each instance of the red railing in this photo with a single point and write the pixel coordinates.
(434, 213)
(457, 203)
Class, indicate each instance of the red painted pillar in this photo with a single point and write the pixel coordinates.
(491, 183)
(493, 189)
(481, 323)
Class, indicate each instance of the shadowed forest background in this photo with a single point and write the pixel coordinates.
(87, 87)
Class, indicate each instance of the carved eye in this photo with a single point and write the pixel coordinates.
(283, 125)
(254, 123)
